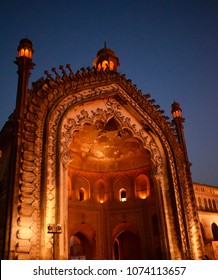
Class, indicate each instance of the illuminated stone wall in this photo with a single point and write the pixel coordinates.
(207, 203)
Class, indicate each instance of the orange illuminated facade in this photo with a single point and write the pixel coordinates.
(90, 168)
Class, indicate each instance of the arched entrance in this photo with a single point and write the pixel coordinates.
(109, 169)
(81, 241)
(127, 246)
(104, 149)
(80, 248)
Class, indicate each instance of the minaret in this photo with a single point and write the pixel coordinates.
(195, 241)
(25, 64)
(106, 59)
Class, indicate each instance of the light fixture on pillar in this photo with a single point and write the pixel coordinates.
(25, 48)
(178, 121)
(25, 65)
(176, 110)
(54, 229)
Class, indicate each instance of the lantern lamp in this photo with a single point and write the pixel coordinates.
(25, 48)
(176, 110)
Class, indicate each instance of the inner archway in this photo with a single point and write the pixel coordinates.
(109, 169)
(127, 246)
(80, 247)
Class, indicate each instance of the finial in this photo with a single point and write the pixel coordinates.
(105, 45)
(69, 68)
(55, 71)
(47, 74)
(62, 69)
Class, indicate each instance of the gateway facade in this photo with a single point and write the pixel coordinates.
(92, 169)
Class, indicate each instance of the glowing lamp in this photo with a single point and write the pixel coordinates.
(25, 48)
(55, 229)
(176, 110)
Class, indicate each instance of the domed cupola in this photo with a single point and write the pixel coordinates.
(25, 48)
(106, 59)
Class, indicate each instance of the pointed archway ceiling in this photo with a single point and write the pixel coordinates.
(104, 147)
(102, 136)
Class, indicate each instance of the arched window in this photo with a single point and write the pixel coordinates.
(215, 231)
(80, 188)
(210, 204)
(205, 203)
(122, 195)
(214, 204)
(199, 203)
(81, 194)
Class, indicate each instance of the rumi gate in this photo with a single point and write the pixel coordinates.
(90, 168)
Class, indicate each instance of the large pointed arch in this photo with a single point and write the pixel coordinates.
(49, 121)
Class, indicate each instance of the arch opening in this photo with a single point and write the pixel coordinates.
(109, 164)
(126, 246)
(80, 247)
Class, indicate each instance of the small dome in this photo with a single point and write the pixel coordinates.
(25, 42)
(175, 106)
(106, 51)
(106, 59)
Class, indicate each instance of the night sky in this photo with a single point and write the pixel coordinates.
(168, 48)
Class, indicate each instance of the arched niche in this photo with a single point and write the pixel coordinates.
(81, 188)
(101, 191)
(142, 186)
(122, 184)
(122, 195)
(214, 228)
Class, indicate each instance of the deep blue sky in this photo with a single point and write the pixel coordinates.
(168, 48)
